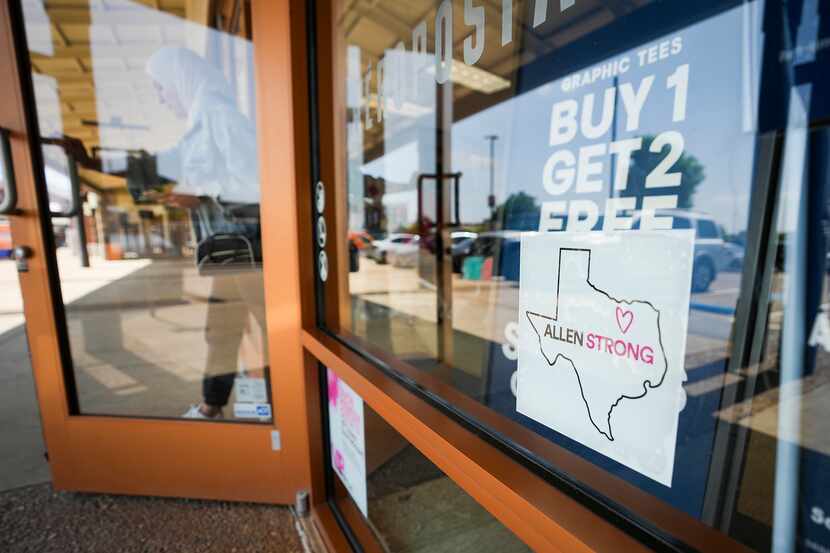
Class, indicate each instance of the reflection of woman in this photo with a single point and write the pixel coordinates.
(214, 165)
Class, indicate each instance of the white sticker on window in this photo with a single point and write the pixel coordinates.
(346, 433)
(602, 339)
(250, 390)
(260, 411)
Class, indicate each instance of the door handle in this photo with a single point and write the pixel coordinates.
(21, 255)
(8, 205)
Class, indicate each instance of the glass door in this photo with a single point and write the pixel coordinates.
(139, 202)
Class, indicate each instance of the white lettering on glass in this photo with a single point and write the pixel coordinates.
(679, 81)
(506, 22)
(367, 87)
(588, 168)
(563, 125)
(540, 10)
(649, 220)
(419, 48)
(443, 42)
(582, 215)
(634, 102)
(623, 150)
(400, 80)
(660, 176)
(473, 44)
(820, 335)
(559, 172)
(550, 216)
(381, 107)
(589, 129)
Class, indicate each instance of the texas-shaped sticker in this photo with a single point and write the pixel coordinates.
(602, 338)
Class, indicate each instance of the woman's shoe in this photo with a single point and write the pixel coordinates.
(195, 412)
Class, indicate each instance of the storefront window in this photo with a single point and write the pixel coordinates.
(557, 220)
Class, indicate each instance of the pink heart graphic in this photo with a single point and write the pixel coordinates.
(339, 462)
(624, 319)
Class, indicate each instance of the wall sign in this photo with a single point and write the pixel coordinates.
(347, 439)
(602, 339)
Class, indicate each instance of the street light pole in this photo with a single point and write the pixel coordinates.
(491, 199)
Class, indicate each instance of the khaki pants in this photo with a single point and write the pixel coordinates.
(234, 298)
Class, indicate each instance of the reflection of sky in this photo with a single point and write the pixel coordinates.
(123, 35)
(38, 29)
(121, 110)
(397, 165)
(713, 129)
(50, 124)
(124, 92)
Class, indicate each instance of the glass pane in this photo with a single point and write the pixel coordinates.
(22, 438)
(147, 123)
(649, 131)
(410, 504)
(4, 176)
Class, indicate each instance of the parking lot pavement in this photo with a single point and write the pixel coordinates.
(483, 308)
(22, 460)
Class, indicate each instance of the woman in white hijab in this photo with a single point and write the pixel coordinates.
(217, 156)
(214, 165)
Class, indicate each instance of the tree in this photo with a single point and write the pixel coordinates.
(643, 162)
(519, 212)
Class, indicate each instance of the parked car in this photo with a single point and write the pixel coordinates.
(502, 246)
(381, 248)
(361, 240)
(354, 257)
(713, 254)
(406, 255)
(462, 243)
(459, 236)
(737, 252)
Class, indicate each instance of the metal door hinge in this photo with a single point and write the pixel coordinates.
(301, 504)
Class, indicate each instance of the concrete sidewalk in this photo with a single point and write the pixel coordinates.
(22, 460)
(34, 518)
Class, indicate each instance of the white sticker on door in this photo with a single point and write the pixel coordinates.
(347, 438)
(602, 340)
(250, 390)
(261, 411)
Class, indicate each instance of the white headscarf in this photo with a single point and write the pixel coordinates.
(188, 74)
